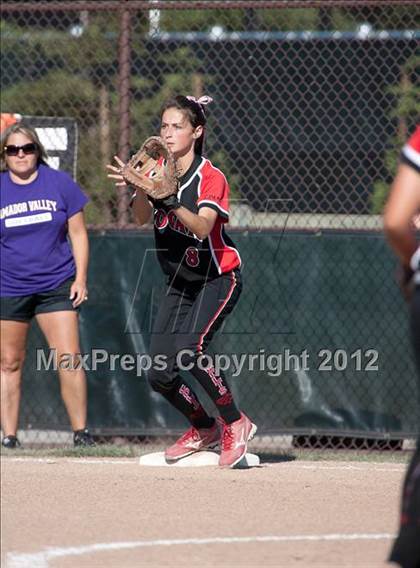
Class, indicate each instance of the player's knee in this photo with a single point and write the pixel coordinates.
(186, 357)
(11, 363)
(159, 380)
(186, 352)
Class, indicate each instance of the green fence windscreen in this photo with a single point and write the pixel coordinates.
(321, 333)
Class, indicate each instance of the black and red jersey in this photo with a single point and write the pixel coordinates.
(410, 155)
(181, 254)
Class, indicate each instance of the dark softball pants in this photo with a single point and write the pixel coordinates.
(188, 318)
(406, 548)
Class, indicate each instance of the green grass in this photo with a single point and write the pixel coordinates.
(100, 451)
(136, 450)
(352, 455)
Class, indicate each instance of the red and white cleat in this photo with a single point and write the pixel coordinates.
(194, 440)
(235, 438)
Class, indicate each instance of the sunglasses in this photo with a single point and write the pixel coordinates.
(12, 150)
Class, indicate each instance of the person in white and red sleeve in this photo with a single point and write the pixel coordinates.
(203, 269)
(402, 207)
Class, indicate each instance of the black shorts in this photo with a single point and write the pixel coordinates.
(24, 308)
(415, 329)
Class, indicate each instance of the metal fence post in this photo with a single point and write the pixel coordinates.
(124, 85)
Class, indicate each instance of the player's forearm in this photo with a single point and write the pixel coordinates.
(403, 243)
(142, 209)
(402, 206)
(200, 226)
(80, 245)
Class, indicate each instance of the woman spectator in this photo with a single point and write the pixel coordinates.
(41, 276)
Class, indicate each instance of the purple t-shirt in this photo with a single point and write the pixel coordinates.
(35, 252)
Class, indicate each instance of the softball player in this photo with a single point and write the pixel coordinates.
(403, 205)
(202, 266)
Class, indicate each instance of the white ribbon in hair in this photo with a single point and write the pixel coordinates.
(204, 100)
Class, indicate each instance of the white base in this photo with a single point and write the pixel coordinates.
(199, 459)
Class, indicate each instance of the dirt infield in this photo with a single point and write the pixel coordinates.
(68, 512)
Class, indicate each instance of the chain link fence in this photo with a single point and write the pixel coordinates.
(312, 102)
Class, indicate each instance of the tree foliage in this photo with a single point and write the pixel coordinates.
(53, 67)
(405, 114)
